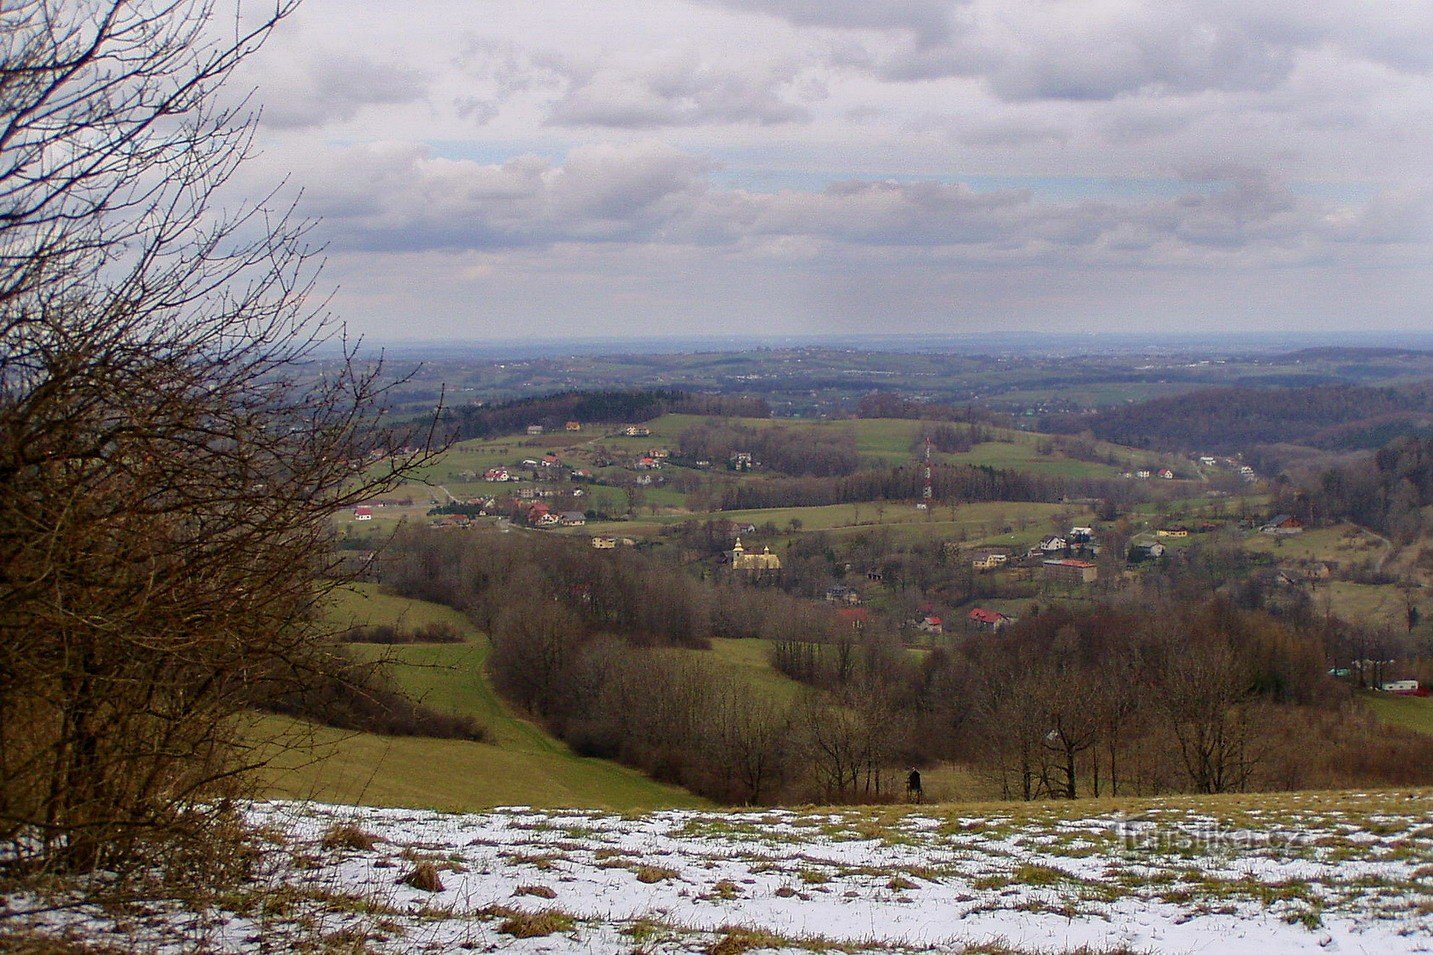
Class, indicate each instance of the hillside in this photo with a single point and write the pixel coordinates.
(1230, 420)
(521, 766)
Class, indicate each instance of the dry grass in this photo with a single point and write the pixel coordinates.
(346, 835)
(536, 924)
(423, 876)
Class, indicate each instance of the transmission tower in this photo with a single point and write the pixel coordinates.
(927, 492)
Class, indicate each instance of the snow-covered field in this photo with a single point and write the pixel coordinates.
(1288, 873)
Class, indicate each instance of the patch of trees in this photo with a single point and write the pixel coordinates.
(1386, 491)
(818, 452)
(553, 411)
(880, 404)
(949, 482)
(1125, 699)
(384, 634)
(594, 407)
(1228, 420)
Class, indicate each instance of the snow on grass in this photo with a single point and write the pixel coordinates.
(1338, 873)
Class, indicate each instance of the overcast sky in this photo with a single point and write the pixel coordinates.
(547, 168)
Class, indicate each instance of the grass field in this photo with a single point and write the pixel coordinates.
(1413, 712)
(522, 765)
(1343, 543)
(748, 659)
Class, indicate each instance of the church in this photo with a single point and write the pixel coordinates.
(752, 562)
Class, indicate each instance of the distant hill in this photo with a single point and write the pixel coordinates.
(1226, 420)
(593, 407)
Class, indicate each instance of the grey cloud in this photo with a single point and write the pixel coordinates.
(332, 87)
(927, 19)
(678, 93)
(395, 197)
(1081, 50)
(402, 198)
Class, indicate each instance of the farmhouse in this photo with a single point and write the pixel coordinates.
(1070, 571)
(842, 595)
(534, 429)
(932, 624)
(747, 562)
(572, 426)
(740, 461)
(362, 513)
(1141, 550)
(636, 431)
(982, 619)
(1176, 530)
(1166, 474)
(572, 518)
(1081, 535)
(989, 559)
(1053, 543)
(604, 543)
(1283, 525)
(854, 617)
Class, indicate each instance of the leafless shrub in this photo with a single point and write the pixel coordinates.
(169, 456)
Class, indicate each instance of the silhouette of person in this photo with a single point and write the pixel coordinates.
(913, 786)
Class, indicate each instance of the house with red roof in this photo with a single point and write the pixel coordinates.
(983, 619)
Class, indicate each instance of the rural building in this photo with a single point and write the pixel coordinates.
(748, 562)
(1178, 530)
(1166, 473)
(1282, 525)
(842, 595)
(1070, 571)
(932, 624)
(989, 559)
(982, 619)
(572, 518)
(534, 429)
(362, 513)
(604, 543)
(1399, 686)
(1081, 535)
(1053, 543)
(636, 431)
(1140, 550)
(740, 461)
(854, 617)
(572, 426)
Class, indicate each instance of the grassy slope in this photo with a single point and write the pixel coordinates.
(522, 765)
(1413, 712)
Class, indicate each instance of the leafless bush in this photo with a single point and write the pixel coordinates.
(169, 459)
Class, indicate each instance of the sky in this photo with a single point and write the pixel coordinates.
(506, 169)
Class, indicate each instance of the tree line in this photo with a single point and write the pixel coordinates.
(632, 406)
(816, 452)
(1230, 420)
(903, 483)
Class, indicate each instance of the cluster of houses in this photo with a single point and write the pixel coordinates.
(1061, 558)
(1145, 474)
(1244, 471)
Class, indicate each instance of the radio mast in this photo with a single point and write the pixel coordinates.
(927, 493)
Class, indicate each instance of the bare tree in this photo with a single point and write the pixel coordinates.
(170, 455)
